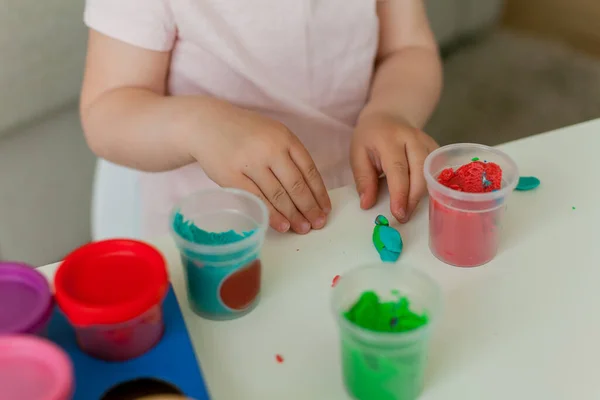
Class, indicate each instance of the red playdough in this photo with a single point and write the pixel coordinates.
(474, 177)
(466, 234)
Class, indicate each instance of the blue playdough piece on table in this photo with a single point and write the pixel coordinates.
(387, 240)
(527, 183)
(173, 360)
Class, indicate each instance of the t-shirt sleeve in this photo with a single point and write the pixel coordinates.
(144, 23)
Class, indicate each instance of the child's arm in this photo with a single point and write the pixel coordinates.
(128, 119)
(408, 77)
(125, 115)
(405, 90)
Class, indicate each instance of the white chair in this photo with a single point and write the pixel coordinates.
(116, 204)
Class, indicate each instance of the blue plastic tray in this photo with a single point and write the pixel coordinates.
(172, 360)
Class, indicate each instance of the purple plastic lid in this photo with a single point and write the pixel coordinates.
(25, 297)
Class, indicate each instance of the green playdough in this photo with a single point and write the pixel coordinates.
(191, 233)
(392, 316)
(384, 371)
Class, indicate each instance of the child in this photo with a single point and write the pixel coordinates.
(282, 98)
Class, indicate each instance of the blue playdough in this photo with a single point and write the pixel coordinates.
(190, 232)
(527, 183)
(387, 240)
(206, 272)
(172, 360)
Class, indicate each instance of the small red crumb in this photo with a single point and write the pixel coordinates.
(279, 358)
(335, 280)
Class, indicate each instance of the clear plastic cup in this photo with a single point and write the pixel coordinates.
(385, 365)
(464, 228)
(223, 279)
(122, 341)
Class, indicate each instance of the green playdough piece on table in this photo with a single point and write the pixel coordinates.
(527, 183)
(386, 240)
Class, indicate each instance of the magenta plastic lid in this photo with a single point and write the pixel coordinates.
(27, 296)
(33, 368)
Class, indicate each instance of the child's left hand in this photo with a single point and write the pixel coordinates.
(383, 143)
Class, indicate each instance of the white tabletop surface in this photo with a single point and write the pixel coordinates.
(525, 326)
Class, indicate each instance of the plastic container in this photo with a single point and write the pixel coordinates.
(112, 292)
(464, 228)
(25, 298)
(385, 365)
(143, 389)
(223, 280)
(33, 368)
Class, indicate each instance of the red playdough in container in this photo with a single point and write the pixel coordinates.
(467, 203)
(112, 292)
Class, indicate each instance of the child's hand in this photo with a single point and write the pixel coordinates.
(262, 156)
(385, 144)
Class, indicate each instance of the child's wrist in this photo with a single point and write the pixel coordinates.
(189, 123)
(372, 111)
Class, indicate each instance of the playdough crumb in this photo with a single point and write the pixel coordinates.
(392, 316)
(527, 183)
(335, 280)
(279, 358)
(190, 232)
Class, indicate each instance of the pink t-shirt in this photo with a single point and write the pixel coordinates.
(306, 63)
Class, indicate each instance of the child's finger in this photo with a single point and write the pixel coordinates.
(286, 171)
(307, 167)
(416, 154)
(279, 197)
(365, 177)
(395, 167)
(276, 220)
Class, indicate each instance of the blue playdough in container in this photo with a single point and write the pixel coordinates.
(220, 234)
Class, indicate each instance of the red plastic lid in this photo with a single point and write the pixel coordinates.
(110, 282)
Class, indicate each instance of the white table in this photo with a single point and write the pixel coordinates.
(525, 326)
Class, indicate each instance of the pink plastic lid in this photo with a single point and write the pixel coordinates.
(33, 368)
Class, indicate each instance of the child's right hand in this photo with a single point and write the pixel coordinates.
(262, 156)
(129, 119)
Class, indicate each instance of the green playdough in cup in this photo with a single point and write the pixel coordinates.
(191, 233)
(384, 369)
(392, 316)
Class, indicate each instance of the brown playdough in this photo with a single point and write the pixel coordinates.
(240, 289)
